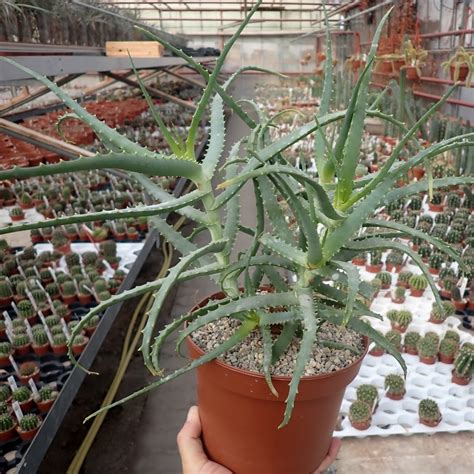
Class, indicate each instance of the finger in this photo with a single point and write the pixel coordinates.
(331, 456)
(189, 443)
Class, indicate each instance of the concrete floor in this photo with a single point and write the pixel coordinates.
(166, 408)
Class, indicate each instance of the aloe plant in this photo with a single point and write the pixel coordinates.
(331, 213)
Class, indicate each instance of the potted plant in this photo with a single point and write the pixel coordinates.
(16, 214)
(91, 325)
(6, 293)
(85, 296)
(28, 370)
(26, 202)
(428, 350)
(132, 233)
(385, 279)
(40, 344)
(403, 279)
(415, 58)
(436, 202)
(24, 397)
(79, 343)
(368, 394)
(402, 320)
(59, 344)
(73, 260)
(460, 66)
(29, 426)
(418, 285)
(53, 290)
(398, 295)
(394, 261)
(21, 343)
(395, 386)
(47, 397)
(113, 285)
(447, 350)
(464, 365)
(439, 314)
(120, 232)
(71, 232)
(311, 260)
(428, 412)
(7, 427)
(457, 300)
(435, 261)
(375, 265)
(120, 275)
(360, 415)
(60, 241)
(69, 294)
(99, 234)
(36, 236)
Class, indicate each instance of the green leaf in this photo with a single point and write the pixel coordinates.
(283, 341)
(353, 284)
(267, 357)
(287, 251)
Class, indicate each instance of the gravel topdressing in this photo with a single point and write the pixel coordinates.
(248, 355)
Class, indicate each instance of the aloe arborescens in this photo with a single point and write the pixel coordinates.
(330, 211)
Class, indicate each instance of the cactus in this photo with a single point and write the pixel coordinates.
(404, 318)
(464, 362)
(5, 290)
(375, 258)
(73, 259)
(435, 261)
(62, 311)
(78, 340)
(437, 198)
(52, 320)
(376, 284)
(113, 284)
(25, 309)
(451, 334)
(52, 289)
(16, 212)
(5, 349)
(424, 251)
(46, 393)
(21, 394)
(385, 278)
(453, 201)
(104, 295)
(426, 218)
(62, 277)
(359, 412)
(20, 340)
(69, 288)
(59, 339)
(40, 337)
(394, 384)
(39, 296)
(441, 313)
(404, 277)
(399, 294)
(28, 368)
(395, 338)
(392, 315)
(3, 408)
(428, 410)
(93, 322)
(443, 218)
(100, 285)
(5, 392)
(416, 203)
(59, 238)
(89, 258)
(120, 274)
(418, 282)
(439, 231)
(29, 253)
(453, 237)
(6, 422)
(30, 422)
(395, 258)
(448, 347)
(108, 248)
(427, 347)
(367, 393)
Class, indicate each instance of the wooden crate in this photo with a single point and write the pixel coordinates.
(137, 49)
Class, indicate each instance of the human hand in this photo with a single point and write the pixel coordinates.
(195, 461)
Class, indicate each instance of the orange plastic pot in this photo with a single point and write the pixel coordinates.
(240, 417)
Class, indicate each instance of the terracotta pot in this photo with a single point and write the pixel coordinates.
(90, 331)
(84, 299)
(35, 375)
(27, 435)
(462, 74)
(412, 73)
(459, 305)
(397, 327)
(373, 268)
(396, 396)
(246, 439)
(402, 284)
(361, 425)
(41, 350)
(60, 350)
(5, 361)
(8, 435)
(445, 359)
(17, 218)
(445, 294)
(430, 423)
(65, 249)
(436, 207)
(391, 266)
(435, 321)
(434, 271)
(27, 406)
(416, 293)
(377, 352)
(69, 299)
(121, 236)
(428, 360)
(358, 261)
(36, 239)
(44, 407)
(5, 301)
(398, 300)
(132, 236)
(79, 348)
(470, 305)
(23, 350)
(411, 351)
(459, 380)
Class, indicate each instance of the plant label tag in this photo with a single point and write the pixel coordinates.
(65, 329)
(53, 275)
(8, 320)
(9, 335)
(463, 286)
(15, 308)
(46, 327)
(28, 329)
(45, 199)
(34, 389)
(17, 410)
(14, 364)
(107, 266)
(33, 301)
(12, 382)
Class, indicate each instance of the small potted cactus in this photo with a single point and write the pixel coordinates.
(447, 350)
(428, 412)
(368, 394)
(395, 386)
(84, 295)
(72, 260)
(36, 236)
(360, 415)
(71, 232)
(59, 344)
(458, 301)
(6, 293)
(452, 334)
(447, 284)
(6, 350)
(103, 296)
(62, 311)
(463, 365)
(404, 278)
(438, 315)
(398, 295)
(89, 258)
(394, 261)
(69, 293)
(120, 275)
(29, 426)
(120, 231)
(385, 278)
(17, 214)
(53, 320)
(425, 251)
(360, 259)
(5, 393)
(435, 261)
(24, 397)
(418, 284)
(22, 344)
(402, 320)
(132, 233)
(60, 241)
(143, 223)
(99, 234)
(40, 344)
(27, 311)
(453, 201)
(26, 201)
(395, 338)
(375, 265)
(79, 344)
(376, 285)
(436, 202)
(7, 427)
(47, 396)
(428, 350)
(28, 370)
(113, 285)
(91, 325)
(53, 291)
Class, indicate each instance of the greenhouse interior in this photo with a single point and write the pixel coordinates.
(237, 237)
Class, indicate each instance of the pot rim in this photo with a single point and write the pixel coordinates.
(282, 378)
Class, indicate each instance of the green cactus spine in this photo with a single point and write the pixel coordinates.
(367, 393)
(21, 394)
(428, 411)
(360, 413)
(30, 422)
(394, 384)
(6, 422)
(427, 347)
(464, 363)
